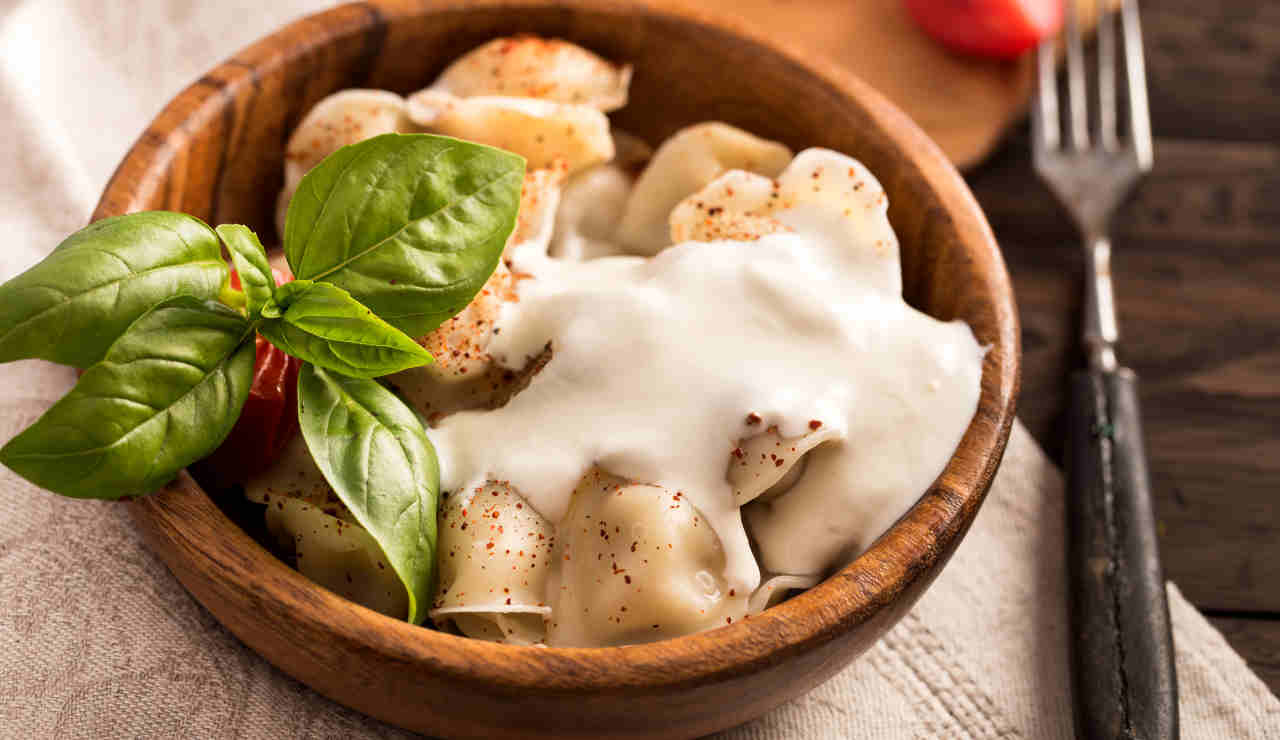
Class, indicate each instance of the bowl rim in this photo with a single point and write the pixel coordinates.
(851, 596)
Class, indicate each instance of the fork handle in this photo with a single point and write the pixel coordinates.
(1123, 663)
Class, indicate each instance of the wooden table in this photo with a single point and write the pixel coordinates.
(1197, 264)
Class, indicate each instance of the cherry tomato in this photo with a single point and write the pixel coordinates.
(993, 28)
(270, 415)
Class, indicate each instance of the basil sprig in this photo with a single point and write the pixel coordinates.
(374, 453)
(391, 235)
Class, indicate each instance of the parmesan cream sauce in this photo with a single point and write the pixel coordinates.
(661, 365)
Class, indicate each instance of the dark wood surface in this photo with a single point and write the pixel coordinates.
(215, 152)
(1197, 265)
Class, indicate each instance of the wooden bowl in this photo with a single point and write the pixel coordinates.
(216, 151)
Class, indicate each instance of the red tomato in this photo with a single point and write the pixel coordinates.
(270, 416)
(994, 28)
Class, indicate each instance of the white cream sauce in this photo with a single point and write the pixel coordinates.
(661, 365)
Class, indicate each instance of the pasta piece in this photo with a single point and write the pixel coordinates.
(766, 465)
(343, 118)
(631, 153)
(492, 388)
(294, 475)
(339, 555)
(539, 201)
(532, 67)
(637, 563)
(494, 555)
(833, 535)
(590, 209)
(775, 589)
(824, 192)
(511, 628)
(541, 131)
(737, 206)
(684, 164)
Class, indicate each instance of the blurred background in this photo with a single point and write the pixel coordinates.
(1197, 249)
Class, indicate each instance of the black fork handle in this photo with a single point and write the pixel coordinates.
(1124, 662)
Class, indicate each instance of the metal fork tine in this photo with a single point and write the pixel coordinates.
(1077, 99)
(1135, 70)
(1045, 123)
(1106, 80)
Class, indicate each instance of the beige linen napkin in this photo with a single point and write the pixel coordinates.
(98, 640)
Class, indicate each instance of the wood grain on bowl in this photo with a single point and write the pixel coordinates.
(216, 151)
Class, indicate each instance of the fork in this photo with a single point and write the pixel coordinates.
(1124, 680)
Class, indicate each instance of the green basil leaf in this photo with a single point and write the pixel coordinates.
(412, 225)
(251, 264)
(71, 306)
(322, 324)
(374, 452)
(166, 395)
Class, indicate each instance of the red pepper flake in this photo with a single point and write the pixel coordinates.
(738, 453)
(489, 546)
(815, 424)
(753, 418)
(627, 579)
(778, 463)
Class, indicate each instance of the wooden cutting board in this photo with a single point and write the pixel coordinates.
(965, 103)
